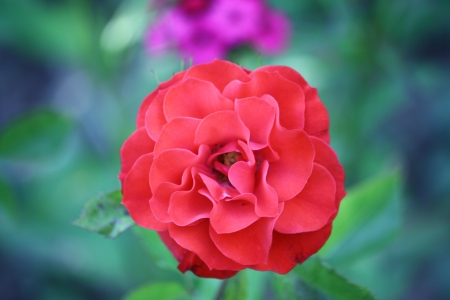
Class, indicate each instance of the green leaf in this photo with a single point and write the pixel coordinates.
(105, 215)
(7, 200)
(368, 218)
(236, 287)
(35, 136)
(159, 291)
(157, 249)
(321, 280)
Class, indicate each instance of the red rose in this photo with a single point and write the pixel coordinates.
(233, 169)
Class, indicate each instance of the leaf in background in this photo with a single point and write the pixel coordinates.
(157, 249)
(322, 281)
(236, 288)
(7, 201)
(105, 215)
(36, 136)
(368, 218)
(159, 291)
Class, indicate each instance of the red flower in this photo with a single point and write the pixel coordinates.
(234, 169)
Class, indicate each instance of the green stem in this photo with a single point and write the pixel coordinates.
(221, 290)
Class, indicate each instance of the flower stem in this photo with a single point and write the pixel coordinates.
(221, 290)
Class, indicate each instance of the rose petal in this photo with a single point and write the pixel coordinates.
(138, 144)
(140, 121)
(220, 128)
(317, 121)
(136, 194)
(215, 190)
(242, 176)
(194, 98)
(288, 250)
(287, 73)
(249, 246)
(288, 175)
(326, 157)
(178, 133)
(258, 115)
(311, 209)
(231, 216)
(170, 165)
(196, 239)
(267, 198)
(190, 261)
(187, 207)
(154, 118)
(290, 98)
(209, 72)
(316, 116)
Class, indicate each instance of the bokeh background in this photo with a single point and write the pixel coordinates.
(73, 73)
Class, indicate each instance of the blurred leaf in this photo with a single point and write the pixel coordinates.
(36, 136)
(236, 287)
(7, 201)
(317, 275)
(368, 218)
(62, 30)
(159, 291)
(157, 249)
(105, 215)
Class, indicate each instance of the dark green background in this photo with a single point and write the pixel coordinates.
(73, 73)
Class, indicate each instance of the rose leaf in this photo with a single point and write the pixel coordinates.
(105, 215)
(369, 217)
(315, 279)
(160, 291)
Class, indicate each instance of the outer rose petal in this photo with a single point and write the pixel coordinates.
(208, 72)
(317, 121)
(154, 118)
(178, 133)
(136, 194)
(138, 144)
(289, 250)
(316, 116)
(196, 239)
(311, 209)
(194, 98)
(326, 157)
(190, 261)
(249, 246)
(288, 176)
(140, 121)
(287, 73)
(290, 98)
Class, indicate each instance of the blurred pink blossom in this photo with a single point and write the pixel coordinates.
(208, 29)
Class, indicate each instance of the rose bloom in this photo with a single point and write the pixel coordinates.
(234, 169)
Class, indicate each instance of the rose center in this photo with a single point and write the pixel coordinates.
(223, 163)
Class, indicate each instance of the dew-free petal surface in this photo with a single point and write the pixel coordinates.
(178, 133)
(196, 239)
(288, 175)
(311, 209)
(208, 72)
(248, 246)
(138, 144)
(137, 193)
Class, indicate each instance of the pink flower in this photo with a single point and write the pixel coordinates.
(208, 29)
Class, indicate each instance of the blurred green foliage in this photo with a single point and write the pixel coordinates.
(74, 73)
